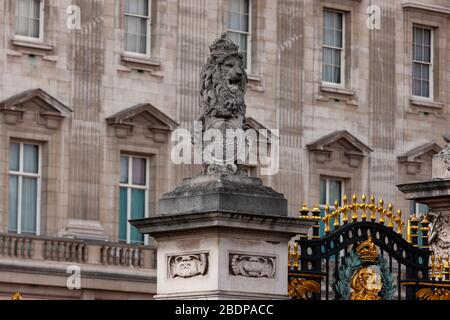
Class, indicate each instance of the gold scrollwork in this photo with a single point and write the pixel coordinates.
(366, 285)
(436, 294)
(300, 288)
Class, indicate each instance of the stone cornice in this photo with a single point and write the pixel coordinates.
(167, 225)
(426, 7)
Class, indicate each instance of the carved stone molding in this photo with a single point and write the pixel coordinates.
(187, 266)
(50, 111)
(440, 233)
(252, 266)
(157, 124)
(354, 150)
(414, 158)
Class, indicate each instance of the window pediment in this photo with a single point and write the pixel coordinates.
(340, 141)
(50, 110)
(251, 123)
(415, 157)
(156, 123)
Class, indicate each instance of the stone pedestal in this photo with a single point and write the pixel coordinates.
(435, 194)
(227, 239)
(220, 255)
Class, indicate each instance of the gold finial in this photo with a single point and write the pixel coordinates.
(304, 211)
(336, 215)
(316, 211)
(399, 222)
(390, 215)
(294, 256)
(354, 207)
(373, 216)
(345, 199)
(17, 296)
(289, 256)
(336, 204)
(364, 208)
(440, 269)
(346, 217)
(408, 231)
(432, 266)
(326, 219)
(382, 211)
(447, 268)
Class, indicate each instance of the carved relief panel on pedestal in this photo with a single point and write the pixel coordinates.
(252, 266)
(187, 266)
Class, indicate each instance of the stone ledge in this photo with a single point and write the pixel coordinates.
(168, 225)
(31, 44)
(92, 272)
(337, 90)
(425, 186)
(435, 193)
(425, 106)
(140, 60)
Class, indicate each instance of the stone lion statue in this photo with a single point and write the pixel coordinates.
(224, 81)
(222, 100)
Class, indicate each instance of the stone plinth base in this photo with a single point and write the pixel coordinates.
(225, 193)
(220, 255)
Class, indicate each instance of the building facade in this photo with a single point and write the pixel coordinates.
(91, 90)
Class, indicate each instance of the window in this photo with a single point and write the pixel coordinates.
(137, 26)
(330, 191)
(239, 28)
(419, 209)
(24, 188)
(134, 195)
(333, 47)
(422, 62)
(29, 19)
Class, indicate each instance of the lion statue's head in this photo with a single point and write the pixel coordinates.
(224, 81)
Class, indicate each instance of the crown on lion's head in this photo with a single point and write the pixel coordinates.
(224, 79)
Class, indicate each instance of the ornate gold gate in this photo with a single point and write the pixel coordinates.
(365, 253)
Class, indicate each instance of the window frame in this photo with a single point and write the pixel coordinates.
(327, 200)
(430, 64)
(21, 174)
(248, 33)
(148, 49)
(39, 39)
(342, 50)
(130, 186)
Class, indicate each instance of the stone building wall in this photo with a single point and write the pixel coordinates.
(87, 72)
